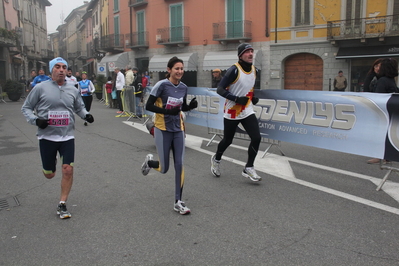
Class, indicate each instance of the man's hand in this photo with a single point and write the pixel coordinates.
(173, 111)
(242, 100)
(193, 103)
(255, 100)
(41, 123)
(89, 118)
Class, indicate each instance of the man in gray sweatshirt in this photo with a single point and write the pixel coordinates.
(55, 102)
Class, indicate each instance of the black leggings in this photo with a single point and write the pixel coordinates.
(251, 126)
(87, 101)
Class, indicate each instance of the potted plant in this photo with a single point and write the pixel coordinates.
(100, 81)
(14, 89)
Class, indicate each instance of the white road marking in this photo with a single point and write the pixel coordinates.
(279, 166)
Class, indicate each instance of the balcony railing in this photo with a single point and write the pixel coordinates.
(72, 56)
(82, 55)
(50, 54)
(173, 36)
(137, 40)
(45, 53)
(362, 28)
(137, 3)
(112, 42)
(231, 31)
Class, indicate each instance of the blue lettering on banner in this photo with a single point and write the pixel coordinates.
(351, 122)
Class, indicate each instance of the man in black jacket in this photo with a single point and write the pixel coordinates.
(138, 92)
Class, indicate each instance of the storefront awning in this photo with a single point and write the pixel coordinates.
(17, 59)
(368, 51)
(116, 60)
(226, 59)
(158, 63)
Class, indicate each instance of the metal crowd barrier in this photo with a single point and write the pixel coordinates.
(129, 108)
(105, 98)
(390, 169)
(219, 133)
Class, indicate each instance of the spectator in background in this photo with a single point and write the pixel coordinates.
(119, 83)
(148, 78)
(371, 79)
(30, 80)
(138, 92)
(109, 87)
(129, 76)
(93, 79)
(22, 80)
(38, 79)
(340, 82)
(216, 77)
(77, 76)
(71, 79)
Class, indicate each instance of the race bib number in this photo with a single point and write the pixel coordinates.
(58, 118)
(173, 102)
(85, 91)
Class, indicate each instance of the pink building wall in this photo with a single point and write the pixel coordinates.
(199, 16)
(11, 15)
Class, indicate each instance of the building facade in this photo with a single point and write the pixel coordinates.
(313, 40)
(23, 38)
(205, 34)
(299, 44)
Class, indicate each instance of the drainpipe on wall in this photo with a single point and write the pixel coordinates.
(131, 20)
(267, 19)
(275, 31)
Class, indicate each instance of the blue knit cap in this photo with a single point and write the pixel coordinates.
(55, 61)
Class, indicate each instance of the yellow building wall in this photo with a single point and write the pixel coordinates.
(326, 10)
(301, 34)
(323, 12)
(376, 8)
(283, 13)
(282, 35)
(104, 17)
(320, 33)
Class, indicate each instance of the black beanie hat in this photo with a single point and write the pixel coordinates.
(243, 47)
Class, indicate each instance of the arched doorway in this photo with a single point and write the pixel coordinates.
(303, 72)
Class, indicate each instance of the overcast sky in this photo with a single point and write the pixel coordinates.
(58, 9)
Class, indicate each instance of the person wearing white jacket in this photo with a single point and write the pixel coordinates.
(119, 83)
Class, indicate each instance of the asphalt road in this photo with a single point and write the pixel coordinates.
(313, 206)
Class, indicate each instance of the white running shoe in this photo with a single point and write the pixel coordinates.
(63, 212)
(215, 166)
(249, 172)
(181, 208)
(145, 169)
